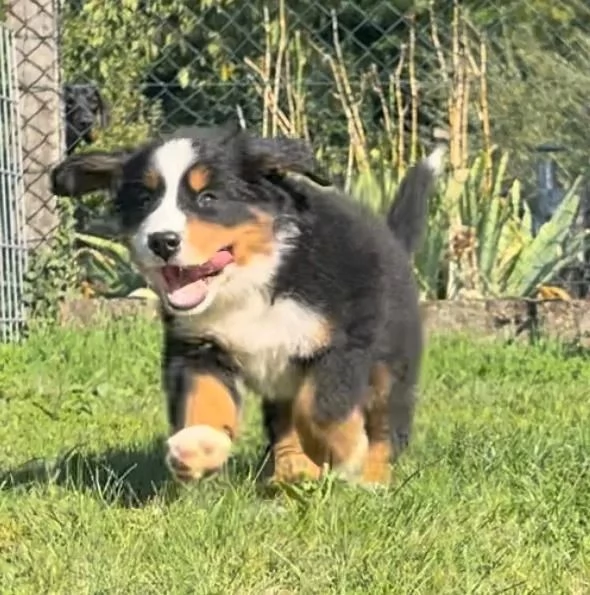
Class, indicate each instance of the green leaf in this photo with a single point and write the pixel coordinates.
(554, 246)
(183, 77)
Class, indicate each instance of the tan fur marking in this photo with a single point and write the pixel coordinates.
(323, 335)
(290, 463)
(376, 468)
(198, 178)
(377, 464)
(247, 240)
(343, 443)
(151, 179)
(211, 404)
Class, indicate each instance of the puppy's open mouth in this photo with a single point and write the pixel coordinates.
(186, 287)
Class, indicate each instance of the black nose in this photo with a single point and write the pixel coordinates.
(164, 244)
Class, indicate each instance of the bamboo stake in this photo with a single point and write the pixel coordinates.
(413, 92)
(387, 121)
(401, 112)
(265, 72)
(282, 45)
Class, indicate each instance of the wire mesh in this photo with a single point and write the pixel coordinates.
(365, 81)
(13, 259)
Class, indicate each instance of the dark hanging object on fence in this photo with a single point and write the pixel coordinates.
(549, 192)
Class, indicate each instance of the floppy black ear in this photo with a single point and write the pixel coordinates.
(103, 108)
(88, 172)
(280, 156)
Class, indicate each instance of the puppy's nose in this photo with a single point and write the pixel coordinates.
(164, 244)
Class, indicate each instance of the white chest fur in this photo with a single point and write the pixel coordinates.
(262, 338)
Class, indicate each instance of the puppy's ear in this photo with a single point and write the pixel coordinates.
(280, 156)
(103, 109)
(88, 172)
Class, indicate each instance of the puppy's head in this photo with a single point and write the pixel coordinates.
(86, 111)
(204, 211)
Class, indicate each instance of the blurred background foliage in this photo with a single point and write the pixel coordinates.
(366, 81)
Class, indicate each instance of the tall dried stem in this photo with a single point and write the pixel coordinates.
(385, 111)
(400, 111)
(274, 118)
(444, 70)
(265, 72)
(350, 104)
(282, 46)
(485, 112)
(355, 123)
(270, 102)
(413, 91)
(480, 71)
(299, 94)
(464, 113)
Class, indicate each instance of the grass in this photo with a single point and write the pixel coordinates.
(492, 497)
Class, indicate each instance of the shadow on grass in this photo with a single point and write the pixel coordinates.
(130, 477)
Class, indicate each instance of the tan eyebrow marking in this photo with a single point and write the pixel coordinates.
(151, 179)
(198, 178)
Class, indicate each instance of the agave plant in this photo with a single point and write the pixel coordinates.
(375, 187)
(499, 256)
(479, 242)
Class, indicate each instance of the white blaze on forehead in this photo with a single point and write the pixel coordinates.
(171, 160)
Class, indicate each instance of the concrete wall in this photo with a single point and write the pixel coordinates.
(35, 23)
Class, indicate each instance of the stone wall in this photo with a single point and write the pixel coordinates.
(506, 319)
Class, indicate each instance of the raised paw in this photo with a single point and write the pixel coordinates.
(197, 450)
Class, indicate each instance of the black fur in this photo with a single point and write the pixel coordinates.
(85, 110)
(84, 173)
(407, 215)
(181, 362)
(346, 264)
(349, 264)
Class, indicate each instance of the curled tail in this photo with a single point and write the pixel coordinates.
(407, 215)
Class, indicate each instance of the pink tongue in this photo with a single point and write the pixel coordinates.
(189, 294)
(220, 260)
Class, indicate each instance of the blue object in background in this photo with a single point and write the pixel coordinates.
(549, 192)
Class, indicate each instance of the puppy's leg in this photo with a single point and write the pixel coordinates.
(288, 462)
(328, 412)
(389, 414)
(377, 469)
(402, 404)
(204, 410)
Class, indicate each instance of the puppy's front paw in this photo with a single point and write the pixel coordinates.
(197, 450)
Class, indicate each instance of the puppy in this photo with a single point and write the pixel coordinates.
(85, 110)
(274, 281)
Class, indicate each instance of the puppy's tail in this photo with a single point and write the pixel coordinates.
(408, 213)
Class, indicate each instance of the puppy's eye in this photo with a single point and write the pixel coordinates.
(206, 198)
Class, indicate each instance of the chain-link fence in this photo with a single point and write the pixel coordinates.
(366, 81)
(13, 255)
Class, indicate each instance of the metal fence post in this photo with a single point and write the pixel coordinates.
(13, 252)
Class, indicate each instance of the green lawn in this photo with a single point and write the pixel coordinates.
(492, 497)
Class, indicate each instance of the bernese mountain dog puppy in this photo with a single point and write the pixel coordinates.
(272, 280)
(85, 111)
